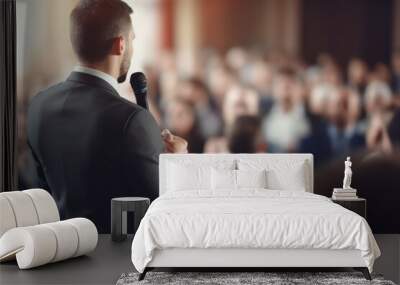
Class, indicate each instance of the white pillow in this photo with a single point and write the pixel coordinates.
(251, 178)
(183, 178)
(290, 179)
(191, 173)
(223, 179)
(281, 174)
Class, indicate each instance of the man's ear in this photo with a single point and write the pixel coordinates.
(118, 46)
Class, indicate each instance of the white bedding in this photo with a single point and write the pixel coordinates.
(251, 218)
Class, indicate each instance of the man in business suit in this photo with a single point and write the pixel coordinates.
(90, 144)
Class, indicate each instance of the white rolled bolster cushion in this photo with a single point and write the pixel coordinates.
(46, 243)
(7, 219)
(23, 209)
(45, 206)
(31, 231)
(26, 208)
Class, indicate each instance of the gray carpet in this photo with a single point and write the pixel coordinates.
(230, 278)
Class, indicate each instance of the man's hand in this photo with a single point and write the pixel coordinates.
(174, 144)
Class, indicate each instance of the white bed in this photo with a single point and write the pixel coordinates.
(195, 223)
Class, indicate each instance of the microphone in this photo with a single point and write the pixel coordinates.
(139, 85)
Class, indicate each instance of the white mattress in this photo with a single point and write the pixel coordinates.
(257, 219)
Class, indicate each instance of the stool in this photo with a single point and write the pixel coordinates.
(119, 209)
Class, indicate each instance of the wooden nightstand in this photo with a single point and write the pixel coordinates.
(357, 205)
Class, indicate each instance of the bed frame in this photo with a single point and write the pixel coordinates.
(246, 258)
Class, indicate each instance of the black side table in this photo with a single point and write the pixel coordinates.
(357, 205)
(119, 209)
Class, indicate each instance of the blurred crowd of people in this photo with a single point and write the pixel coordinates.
(245, 102)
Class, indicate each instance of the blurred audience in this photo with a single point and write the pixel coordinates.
(357, 75)
(248, 100)
(396, 71)
(245, 136)
(286, 123)
(181, 120)
(239, 100)
(196, 92)
(336, 131)
(377, 98)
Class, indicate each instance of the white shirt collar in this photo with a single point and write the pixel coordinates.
(100, 74)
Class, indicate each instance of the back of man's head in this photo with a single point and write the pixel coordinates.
(94, 25)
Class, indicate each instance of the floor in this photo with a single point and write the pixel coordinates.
(110, 260)
(389, 262)
(103, 266)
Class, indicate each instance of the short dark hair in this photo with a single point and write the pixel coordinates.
(94, 24)
(244, 134)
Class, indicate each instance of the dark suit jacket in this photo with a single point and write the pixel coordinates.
(91, 145)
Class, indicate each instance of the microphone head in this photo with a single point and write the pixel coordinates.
(139, 83)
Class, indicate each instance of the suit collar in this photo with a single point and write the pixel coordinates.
(98, 73)
(89, 79)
